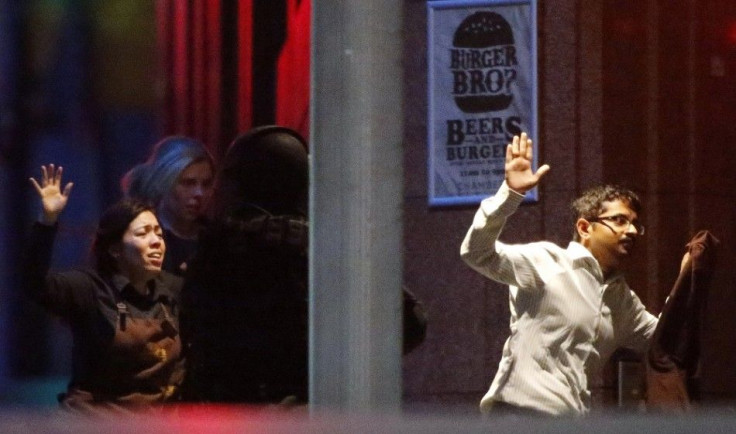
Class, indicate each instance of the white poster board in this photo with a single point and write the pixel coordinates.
(482, 60)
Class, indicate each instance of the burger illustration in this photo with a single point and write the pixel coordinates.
(480, 40)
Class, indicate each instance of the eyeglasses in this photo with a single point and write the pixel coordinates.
(621, 222)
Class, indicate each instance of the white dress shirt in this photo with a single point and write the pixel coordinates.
(566, 320)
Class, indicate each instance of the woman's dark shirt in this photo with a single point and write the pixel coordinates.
(178, 251)
(91, 304)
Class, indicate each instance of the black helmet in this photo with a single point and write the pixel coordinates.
(266, 168)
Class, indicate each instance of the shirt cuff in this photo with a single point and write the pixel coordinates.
(505, 202)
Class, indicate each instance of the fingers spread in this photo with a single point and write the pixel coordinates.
(515, 146)
(68, 189)
(57, 177)
(542, 170)
(35, 185)
(523, 145)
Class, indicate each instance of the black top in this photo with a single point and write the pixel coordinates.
(246, 303)
(178, 251)
(246, 311)
(91, 304)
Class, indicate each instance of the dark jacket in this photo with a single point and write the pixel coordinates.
(674, 355)
(246, 310)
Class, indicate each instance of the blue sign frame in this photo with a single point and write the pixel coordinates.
(482, 90)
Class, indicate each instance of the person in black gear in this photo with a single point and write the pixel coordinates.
(246, 289)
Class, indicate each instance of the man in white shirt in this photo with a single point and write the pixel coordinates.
(570, 308)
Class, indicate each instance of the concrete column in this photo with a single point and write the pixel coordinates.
(355, 205)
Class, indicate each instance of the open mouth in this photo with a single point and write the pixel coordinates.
(627, 243)
(156, 258)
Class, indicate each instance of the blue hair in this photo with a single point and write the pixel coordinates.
(151, 180)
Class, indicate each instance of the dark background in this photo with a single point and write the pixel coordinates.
(641, 93)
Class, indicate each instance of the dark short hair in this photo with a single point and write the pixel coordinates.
(113, 224)
(589, 205)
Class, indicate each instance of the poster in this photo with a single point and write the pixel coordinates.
(482, 91)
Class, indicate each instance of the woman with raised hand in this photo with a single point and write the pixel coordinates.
(123, 313)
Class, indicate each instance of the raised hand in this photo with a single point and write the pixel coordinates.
(519, 174)
(53, 199)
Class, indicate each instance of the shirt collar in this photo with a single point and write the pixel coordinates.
(156, 291)
(581, 257)
(579, 253)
